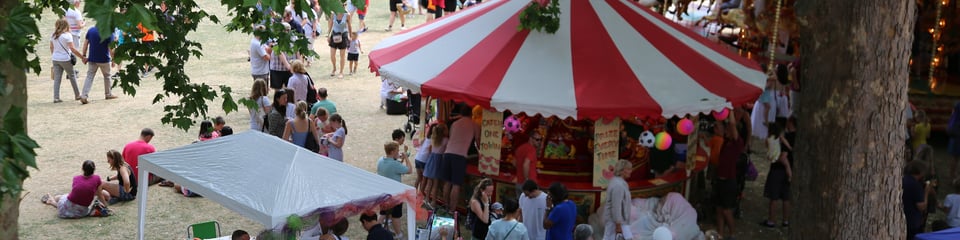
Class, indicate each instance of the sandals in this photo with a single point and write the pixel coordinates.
(166, 184)
(45, 198)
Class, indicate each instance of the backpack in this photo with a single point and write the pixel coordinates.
(312, 96)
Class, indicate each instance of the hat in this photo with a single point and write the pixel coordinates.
(497, 206)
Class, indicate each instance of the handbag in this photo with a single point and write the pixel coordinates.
(73, 59)
(97, 209)
(336, 38)
(311, 143)
(311, 91)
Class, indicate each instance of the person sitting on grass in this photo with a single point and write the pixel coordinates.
(77, 203)
(126, 187)
(951, 205)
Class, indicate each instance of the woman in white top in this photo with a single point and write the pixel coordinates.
(299, 81)
(258, 94)
(61, 47)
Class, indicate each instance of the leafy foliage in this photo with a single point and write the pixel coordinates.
(16, 153)
(541, 17)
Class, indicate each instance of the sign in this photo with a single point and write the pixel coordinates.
(606, 150)
(491, 137)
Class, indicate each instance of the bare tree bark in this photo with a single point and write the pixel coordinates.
(851, 121)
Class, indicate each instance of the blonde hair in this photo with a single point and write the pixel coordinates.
(61, 26)
(297, 66)
(259, 89)
(353, 35)
(301, 110)
(481, 185)
(620, 166)
(390, 146)
(438, 134)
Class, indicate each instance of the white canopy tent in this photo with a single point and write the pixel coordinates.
(264, 178)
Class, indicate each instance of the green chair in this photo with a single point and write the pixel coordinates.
(204, 230)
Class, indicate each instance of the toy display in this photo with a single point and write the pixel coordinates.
(663, 141)
(647, 139)
(685, 127)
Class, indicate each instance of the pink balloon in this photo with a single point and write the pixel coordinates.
(720, 116)
(685, 127)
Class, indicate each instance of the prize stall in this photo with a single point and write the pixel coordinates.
(603, 87)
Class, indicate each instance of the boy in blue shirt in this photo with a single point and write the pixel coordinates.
(561, 214)
(390, 167)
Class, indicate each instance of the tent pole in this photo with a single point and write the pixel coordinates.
(411, 222)
(143, 183)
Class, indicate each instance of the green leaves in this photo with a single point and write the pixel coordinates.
(18, 39)
(16, 152)
(540, 18)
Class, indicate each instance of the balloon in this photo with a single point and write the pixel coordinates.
(662, 233)
(647, 139)
(720, 116)
(511, 124)
(663, 141)
(477, 114)
(685, 127)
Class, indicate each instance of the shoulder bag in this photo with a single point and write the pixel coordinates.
(73, 59)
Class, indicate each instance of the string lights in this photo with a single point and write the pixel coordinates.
(936, 49)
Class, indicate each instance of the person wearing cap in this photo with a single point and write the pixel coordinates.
(496, 211)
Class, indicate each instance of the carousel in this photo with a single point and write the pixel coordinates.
(614, 81)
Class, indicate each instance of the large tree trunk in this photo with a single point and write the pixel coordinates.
(851, 118)
(16, 84)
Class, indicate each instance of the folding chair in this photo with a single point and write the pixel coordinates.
(204, 230)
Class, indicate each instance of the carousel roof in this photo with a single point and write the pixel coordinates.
(610, 58)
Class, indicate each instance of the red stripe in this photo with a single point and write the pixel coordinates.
(476, 76)
(393, 53)
(604, 83)
(703, 70)
(702, 40)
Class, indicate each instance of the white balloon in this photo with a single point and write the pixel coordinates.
(662, 233)
(647, 139)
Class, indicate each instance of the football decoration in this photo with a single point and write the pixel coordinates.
(663, 141)
(647, 139)
(511, 124)
(721, 115)
(685, 127)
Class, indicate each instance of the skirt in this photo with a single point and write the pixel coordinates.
(68, 209)
(433, 163)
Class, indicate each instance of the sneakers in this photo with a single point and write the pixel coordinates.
(83, 101)
(363, 30)
(389, 28)
(403, 28)
(57, 101)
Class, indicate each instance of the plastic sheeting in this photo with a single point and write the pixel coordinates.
(674, 212)
(267, 179)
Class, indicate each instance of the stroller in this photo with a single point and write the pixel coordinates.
(413, 113)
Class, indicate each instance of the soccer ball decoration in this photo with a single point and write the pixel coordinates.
(647, 139)
(511, 124)
(685, 127)
(663, 141)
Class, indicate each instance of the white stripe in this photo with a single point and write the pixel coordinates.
(751, 76)
(424, 64)
(540, 79)
(402, 37)
(676, 92)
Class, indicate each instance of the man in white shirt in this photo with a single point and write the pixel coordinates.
(533, 206)
(75, 19)
(259, 57)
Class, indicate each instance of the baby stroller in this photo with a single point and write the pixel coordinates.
(413, 113)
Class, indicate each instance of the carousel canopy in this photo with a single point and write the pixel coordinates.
(609, 58)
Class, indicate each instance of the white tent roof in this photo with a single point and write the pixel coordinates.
(263, 177)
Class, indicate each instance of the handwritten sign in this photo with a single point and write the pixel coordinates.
(606, 147)
(491, 134)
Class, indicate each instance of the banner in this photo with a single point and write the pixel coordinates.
(491, 134)
(606, 150)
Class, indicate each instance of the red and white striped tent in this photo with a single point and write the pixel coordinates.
(610, 58)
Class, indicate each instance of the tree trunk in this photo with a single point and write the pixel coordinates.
(851, 118)
(16, 84)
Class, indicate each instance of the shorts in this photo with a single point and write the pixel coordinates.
(725, 193)
(451, 6)
(361, 15)
(433, 164)
(68, 209)
(393, 5)
(279, 78)
(419, 165)
(395, 212)
(125, 196)
(265, 77)
(453, 169)
(353, 56)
